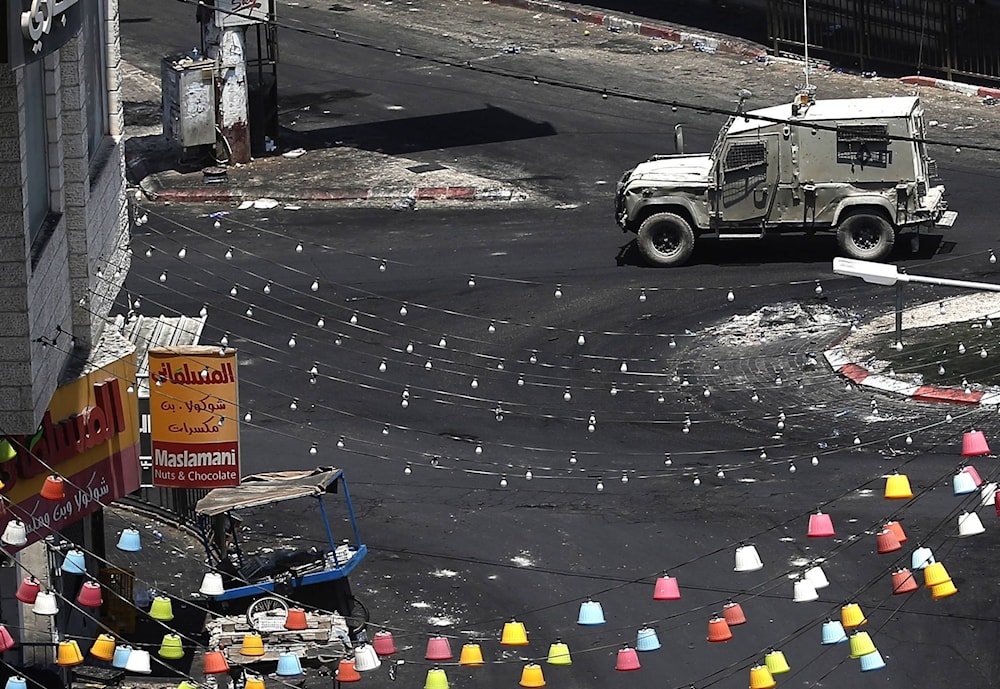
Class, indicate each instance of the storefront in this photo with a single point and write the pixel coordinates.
(89, 437)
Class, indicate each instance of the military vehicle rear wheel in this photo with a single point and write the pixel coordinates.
(666, 239)
(866, 236)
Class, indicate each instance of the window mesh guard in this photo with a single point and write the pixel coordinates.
(863, 133)
(745, 156)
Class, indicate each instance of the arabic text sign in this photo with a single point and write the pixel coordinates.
(241, 12)
(89, 435)
(86, 491)
(193, 404)
(35, 28)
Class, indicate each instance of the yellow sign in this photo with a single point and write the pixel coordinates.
(193, 402)
(90, 436)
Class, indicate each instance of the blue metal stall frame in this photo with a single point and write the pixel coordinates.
(260, 490)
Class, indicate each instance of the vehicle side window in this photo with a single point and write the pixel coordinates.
(863, 144)
(743, 156)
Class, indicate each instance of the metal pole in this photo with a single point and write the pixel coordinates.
(350, 510)
(226, 45)
(234, 107)
(805, 40)
(899, 312)
(326, 525)
(945, 282)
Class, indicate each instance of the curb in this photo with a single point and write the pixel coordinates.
(862, 377)
(230, 195)
(621, 24)
(966, 89)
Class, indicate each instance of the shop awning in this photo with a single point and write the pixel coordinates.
(268, 488)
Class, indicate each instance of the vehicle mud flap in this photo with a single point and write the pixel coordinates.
(915, 242)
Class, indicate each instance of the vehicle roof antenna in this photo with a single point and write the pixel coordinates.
(743, 95)
(807, 93)
(805, 41)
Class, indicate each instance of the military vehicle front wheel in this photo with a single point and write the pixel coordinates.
(865, 236)
(666, 239)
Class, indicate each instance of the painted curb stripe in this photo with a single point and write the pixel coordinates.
(929, 393)
(854, 372)
(889, 384)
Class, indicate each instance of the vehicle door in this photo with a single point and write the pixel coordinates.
(747, 179)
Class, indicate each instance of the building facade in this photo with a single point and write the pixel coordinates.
(63, 214)
(67, 403)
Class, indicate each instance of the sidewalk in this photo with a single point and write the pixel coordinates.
(949, 353)
(330, 174)
(168, 563)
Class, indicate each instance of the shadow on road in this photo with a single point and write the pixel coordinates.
(155, 153)
(429, 132)
(788, 249)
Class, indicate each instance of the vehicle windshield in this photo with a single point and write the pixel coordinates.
(717, 146)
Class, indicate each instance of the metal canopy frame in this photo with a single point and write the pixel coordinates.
(259, 490)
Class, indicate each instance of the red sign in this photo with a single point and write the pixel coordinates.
(208, 465)
(86, 492)
(89, 436)
(57, 442)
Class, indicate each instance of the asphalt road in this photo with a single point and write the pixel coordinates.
(454, 551)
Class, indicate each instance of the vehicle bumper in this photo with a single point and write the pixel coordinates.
(933, 203)
(947, 219)
(621, 211)
(932, 211)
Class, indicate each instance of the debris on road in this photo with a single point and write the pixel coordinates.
(408, 203)
(776, 322)
(325, 636)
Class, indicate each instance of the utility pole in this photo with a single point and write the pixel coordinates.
(226, 44)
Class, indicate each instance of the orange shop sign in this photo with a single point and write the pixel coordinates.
(89, 435)
(193, 404)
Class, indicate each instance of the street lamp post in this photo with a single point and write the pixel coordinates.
(887, 274)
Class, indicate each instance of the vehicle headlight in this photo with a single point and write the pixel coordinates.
(624, 180)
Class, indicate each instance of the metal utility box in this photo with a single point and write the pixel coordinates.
(188, 87)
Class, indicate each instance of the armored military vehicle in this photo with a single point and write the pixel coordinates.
(856, 167)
